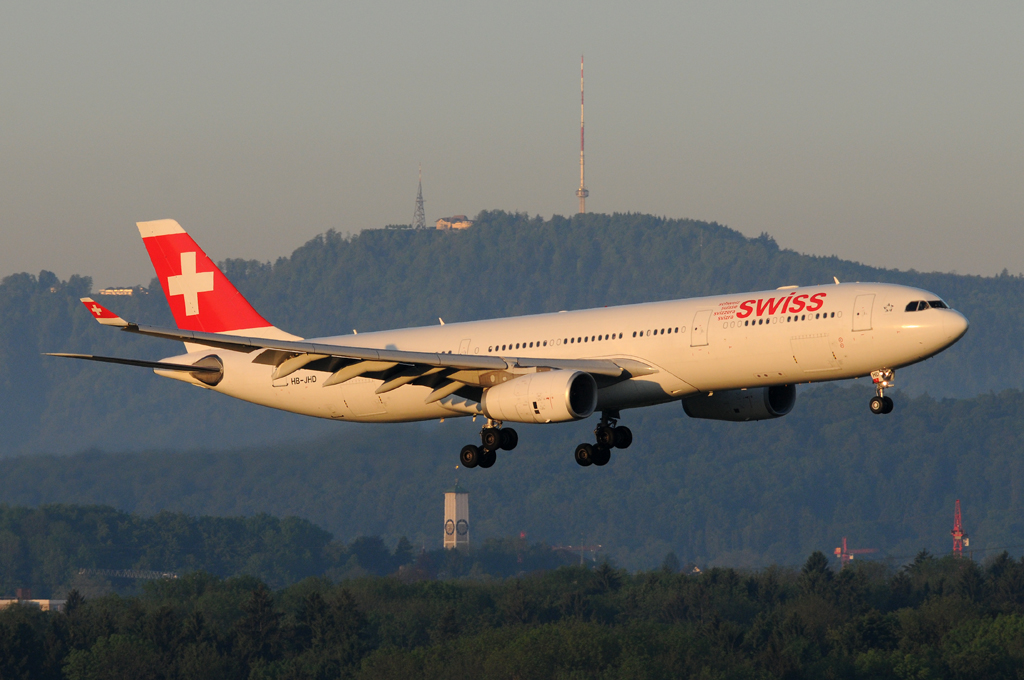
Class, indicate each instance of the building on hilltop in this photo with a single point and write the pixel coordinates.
(23, 596)
(117, 290)
(454, 222)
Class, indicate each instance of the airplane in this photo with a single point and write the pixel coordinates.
(724, 357)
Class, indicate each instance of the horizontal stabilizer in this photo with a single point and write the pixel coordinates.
(102, 314)
(161, 365)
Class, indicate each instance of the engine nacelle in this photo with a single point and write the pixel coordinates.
(543, 397)
(759, 403)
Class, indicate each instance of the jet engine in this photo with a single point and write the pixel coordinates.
(759, 403)
(543, 397)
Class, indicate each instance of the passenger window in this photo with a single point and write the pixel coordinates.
(833, 315)
(634, 334)
(746, 323)
(545, 343)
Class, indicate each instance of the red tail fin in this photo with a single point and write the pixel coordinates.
(200, 296)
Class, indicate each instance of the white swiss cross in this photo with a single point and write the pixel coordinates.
(96, 309)
(190, 283)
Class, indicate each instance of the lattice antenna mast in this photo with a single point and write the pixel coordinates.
(582, 191)
(959, 537)
(419, 218)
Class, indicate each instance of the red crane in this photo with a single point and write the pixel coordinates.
(846, 555)
(960, 538)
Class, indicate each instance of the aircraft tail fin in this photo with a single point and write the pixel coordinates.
(200, 296)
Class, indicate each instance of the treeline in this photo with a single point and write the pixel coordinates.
(57, 548)
(934, 618)
(506, 264)
(738, 494)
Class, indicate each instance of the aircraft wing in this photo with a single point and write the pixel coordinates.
(446, 373)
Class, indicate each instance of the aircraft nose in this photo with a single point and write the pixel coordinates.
(955, 324)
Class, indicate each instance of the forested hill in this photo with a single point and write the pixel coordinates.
(736, 494)
(505, 264)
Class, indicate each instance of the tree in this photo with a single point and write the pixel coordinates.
(258, 631)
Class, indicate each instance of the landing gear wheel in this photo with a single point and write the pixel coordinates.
(470, 456)
(877, 405)
(605, 435)
(490, 438)
(602, 454)
(509, 438)
(487, 459)
(623, 437)
(585, 454)
(888, 405)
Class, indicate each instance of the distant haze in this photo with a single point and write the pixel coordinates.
(880, 132)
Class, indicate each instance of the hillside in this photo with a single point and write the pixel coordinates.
(747, 494)
(506, 264)
(55, 548)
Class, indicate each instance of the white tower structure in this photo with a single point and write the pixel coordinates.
(419, 216)
(456, 517)
(582, 191)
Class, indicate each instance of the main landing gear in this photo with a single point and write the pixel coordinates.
(883, 379)
(492, 438)
(609, 436)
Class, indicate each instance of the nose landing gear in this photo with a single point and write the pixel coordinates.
(608, 436)
(492, 437)
(882, 379)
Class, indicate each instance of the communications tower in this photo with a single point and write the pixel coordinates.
(419, 218)
(582, 191)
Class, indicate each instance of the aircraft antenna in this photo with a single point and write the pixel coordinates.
(582, 191)
(959, 537)
(419, 218)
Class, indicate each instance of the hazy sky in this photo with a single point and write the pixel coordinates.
(890, 133)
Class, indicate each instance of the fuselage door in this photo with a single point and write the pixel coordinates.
(699, 331)
(464, 346)
(862, 312)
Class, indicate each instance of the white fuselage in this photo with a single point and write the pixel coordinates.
(784, 336)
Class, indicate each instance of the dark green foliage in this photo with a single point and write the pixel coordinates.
(45, 547)
(723, 623)
(745, 494)
(507, 264)
(62, 549)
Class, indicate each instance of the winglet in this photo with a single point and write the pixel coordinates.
(102, 314)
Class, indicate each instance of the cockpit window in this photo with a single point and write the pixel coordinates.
(918, 305)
